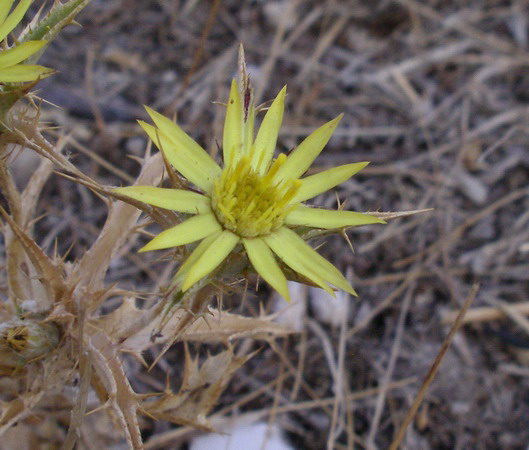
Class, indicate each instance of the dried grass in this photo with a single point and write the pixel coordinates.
(435, 95)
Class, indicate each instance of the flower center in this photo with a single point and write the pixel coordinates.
(250, 204)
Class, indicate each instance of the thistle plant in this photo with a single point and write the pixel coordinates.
(253, 200)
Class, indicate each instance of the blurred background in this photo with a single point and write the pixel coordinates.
(435, 95)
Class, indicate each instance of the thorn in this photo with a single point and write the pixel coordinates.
(344, 235)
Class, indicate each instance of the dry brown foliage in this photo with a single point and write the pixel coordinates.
(435, 95)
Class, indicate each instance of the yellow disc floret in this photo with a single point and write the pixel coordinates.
(249, 204)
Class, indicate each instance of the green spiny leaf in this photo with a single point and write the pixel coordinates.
(60, 15)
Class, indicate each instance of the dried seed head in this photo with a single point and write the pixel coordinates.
(27, 339)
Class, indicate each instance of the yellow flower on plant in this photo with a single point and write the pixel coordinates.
(253, 200)
(11, 69)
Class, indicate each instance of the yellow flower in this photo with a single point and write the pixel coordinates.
(11, 71)
(253, 200)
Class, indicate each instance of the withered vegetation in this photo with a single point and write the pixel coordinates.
(435, 95)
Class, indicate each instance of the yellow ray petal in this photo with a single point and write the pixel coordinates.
(19, 53)
(14, 18)
(323, 181)
(281, 246)
(265, 264)
(248, 119)
(190, 261)
(327, 270)
(173, 199)
(5, 6)
(211, 258)
(22, 73)
(191, 230)
(232, 136)
(182, 160)
(291, 243)
(265, 142)
(305, 153)
(328, 219)
(184, 143)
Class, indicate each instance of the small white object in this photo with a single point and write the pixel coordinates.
(291, 314)
(275, 14)
(259, 436)
(328, 309)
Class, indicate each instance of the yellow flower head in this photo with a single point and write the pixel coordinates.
(11, 69)
(253, 200)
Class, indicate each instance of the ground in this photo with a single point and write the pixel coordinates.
(435, 95)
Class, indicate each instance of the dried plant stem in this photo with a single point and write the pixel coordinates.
(277, 398)
(433, 370)
(8, 189)
(485, 314)
(220, 420)
(514, 314)
(79, 410)
(339, 384)
(395, 350)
